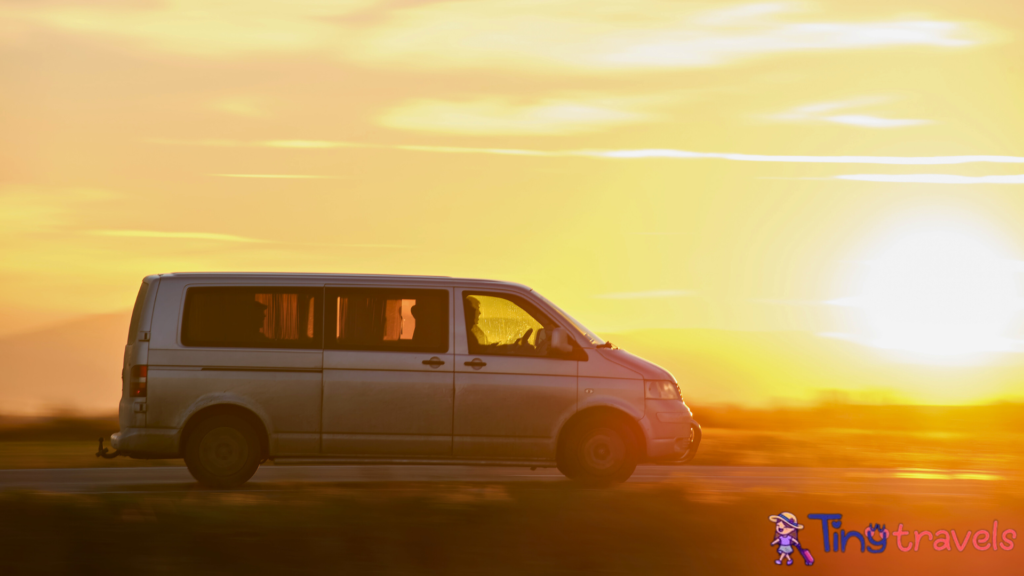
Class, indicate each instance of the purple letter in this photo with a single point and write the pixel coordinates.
(824, 525)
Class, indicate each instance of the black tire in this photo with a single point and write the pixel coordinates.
(564, 464)
(223, 451)
(599, 451)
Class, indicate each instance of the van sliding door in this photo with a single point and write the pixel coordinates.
(388, 371)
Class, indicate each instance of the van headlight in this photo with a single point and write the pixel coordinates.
(662, 390)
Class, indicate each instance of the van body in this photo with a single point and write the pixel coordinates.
(228, 370)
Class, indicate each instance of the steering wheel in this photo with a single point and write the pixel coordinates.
(524, 340)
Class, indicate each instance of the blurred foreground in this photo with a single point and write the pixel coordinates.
(459, 528)
(928, 468)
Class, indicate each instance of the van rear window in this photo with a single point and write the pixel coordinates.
(249, 317)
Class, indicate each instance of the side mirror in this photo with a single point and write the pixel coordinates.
(560, 340)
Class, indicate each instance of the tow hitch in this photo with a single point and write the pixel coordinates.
(105, 453)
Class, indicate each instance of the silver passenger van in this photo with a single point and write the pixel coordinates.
(230, 370)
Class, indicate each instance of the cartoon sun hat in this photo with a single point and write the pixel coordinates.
(787, 519)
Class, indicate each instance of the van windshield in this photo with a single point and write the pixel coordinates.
(594, 338)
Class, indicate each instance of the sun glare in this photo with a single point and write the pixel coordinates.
(941, 294)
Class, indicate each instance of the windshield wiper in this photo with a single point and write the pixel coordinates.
(607, 345)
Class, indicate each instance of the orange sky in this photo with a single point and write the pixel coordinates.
(645, 164)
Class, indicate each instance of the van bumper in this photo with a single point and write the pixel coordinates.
(677, 450)
(673, 436)
(146, 442)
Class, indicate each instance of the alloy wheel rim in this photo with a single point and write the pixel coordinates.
(223, 451)
(603, 451)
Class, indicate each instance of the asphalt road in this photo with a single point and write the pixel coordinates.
(697, 479)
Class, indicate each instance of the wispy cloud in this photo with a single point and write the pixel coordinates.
(401, 246)
(645, 295)
(527, 35)
(244, 106)
(889, 160)
(202, 28)
(971, 355)
(935, 178)
(495, 115)
(303, 144)
(173, 235)
(25, 209)
(577, 35)
(865, 121)
(824, 112)
(335, 144)
(618, 154)
(284, 176)
(789, 302)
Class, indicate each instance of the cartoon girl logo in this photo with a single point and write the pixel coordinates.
(786, 528)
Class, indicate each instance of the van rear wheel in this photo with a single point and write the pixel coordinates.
(599, 452)
(223, 452)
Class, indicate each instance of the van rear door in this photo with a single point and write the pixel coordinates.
(257, 346)
(136, 353)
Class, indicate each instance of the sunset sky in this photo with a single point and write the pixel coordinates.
(853, 170)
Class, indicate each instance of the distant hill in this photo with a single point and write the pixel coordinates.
(793, 368)
(73, 367)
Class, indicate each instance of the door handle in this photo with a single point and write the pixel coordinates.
(434, 362)
(476, 364)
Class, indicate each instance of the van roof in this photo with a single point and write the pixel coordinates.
(446, 280)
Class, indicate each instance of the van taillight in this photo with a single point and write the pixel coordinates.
(137, 383)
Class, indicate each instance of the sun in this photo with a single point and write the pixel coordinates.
(941, 293)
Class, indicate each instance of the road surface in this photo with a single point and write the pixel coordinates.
(696, 479)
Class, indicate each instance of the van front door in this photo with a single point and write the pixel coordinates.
(511, 391)
(388, 371)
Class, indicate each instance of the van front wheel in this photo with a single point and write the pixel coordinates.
(600, 452)
(222, 452)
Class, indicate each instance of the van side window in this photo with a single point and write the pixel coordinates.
(250, 317)
(387, 319)
(505, 325)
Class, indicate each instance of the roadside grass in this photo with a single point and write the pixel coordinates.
(462, 529)
(851, 448)
(829, 448)
(66, 454)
